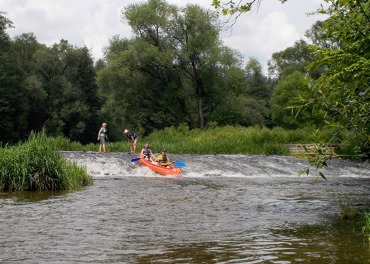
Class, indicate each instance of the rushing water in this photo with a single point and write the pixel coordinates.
(225, 209)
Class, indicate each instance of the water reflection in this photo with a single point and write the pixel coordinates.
(26, 197)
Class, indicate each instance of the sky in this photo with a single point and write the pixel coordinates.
(92, 23)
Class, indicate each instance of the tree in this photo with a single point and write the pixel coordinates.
(320, 37)
(285, 96)
(69, 80)
(259, 86)
(12, 99)
(24, 49)
(242, 6)
(175, 70)
(292, 59)
(343, 89)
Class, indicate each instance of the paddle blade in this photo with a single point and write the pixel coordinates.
(136, 159)
(180, 163)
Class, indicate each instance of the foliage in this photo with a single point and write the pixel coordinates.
(4, 24)
(175, 70)
(71, 104)
(285, 96)
(226, 140)
(286, 62)
(348, 211)
(217, 139)
(11, 101)
(35, 165)
(366, 227)
(342, 92)
(231, 8)
(42, 87)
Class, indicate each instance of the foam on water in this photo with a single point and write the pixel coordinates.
(119, 164)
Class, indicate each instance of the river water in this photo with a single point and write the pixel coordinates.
(224, 209)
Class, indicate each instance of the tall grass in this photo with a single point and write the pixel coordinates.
(226, 140)
(217, 140)
(366, 228)
(37, 165)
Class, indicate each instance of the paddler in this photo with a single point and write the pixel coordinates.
(163, 159)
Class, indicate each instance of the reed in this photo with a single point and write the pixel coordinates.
(348, 210)
(224, 140)
(38, 165)
(366, 227)
(216, 140)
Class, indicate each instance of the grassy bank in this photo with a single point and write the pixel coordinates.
(218, 140)
(36, 165)
(225, 140)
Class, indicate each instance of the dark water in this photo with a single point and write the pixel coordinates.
(225, 209)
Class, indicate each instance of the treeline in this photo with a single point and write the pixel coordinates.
(175, 70)
(46, 87)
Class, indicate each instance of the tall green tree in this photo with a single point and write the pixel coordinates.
(12, 103)
(295, 58)
(286, 95)
(289, 69)
(174, 70)
(258, 94)
(24, 49)
(69, 80)
(342, 91)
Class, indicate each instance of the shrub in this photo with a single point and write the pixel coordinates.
(38, 165)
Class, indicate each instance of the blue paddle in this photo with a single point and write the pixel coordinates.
(136, 159)
(180, 163)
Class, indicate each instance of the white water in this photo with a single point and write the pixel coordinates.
(119, 164)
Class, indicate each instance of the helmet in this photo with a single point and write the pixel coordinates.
(163, 150)
(126, 131)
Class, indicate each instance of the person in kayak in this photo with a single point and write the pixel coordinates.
(132, 137)
(163, 159)
(147, 153)
(102, 137)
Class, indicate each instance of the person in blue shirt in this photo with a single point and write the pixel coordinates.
(102, 137)
(132, 137)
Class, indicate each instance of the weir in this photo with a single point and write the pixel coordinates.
(119, 164)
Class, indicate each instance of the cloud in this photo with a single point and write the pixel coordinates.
(260, 40)
(271, 28)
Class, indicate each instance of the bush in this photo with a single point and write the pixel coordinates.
(38, 165)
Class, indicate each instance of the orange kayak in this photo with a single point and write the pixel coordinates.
(164, 170)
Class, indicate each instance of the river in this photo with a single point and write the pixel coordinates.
(224, 209)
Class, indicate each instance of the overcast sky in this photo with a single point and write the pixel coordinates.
(92, 23)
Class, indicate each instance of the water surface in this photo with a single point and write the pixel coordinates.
(225, 209)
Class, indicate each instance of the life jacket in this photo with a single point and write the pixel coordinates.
(164, 159)
(146, 152)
